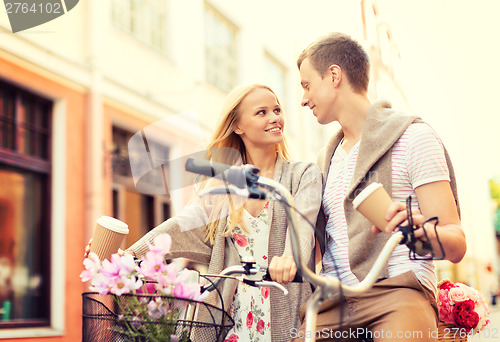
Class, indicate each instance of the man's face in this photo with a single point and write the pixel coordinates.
(319, 93)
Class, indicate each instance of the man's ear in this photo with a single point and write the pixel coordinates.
(335, 73)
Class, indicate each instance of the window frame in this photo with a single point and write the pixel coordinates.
(14, 159)
(221, 68)
(122, 183)
(138, 18)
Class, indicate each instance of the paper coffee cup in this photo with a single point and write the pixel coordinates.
(373, 203)
(108, 236)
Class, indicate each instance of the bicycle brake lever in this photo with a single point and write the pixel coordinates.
(263, 283)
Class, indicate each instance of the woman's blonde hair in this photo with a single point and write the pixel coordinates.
(224, 140)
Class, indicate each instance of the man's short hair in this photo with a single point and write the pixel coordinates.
(339, 49)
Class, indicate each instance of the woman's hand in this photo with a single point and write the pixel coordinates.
(87, 249)
(282, 269)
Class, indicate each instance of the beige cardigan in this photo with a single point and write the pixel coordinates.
(304, 182)
(382, 129)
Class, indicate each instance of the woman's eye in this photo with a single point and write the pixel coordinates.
(261, 112)
(277, 110)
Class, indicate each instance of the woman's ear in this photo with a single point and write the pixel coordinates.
(237, 130)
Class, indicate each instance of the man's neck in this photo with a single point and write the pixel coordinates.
(353, 117)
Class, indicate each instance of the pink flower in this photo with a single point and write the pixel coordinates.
(187, 291)
(92, 267)
(118, 266)
(185, 287)
(462, 306)
(249, 320)
(161, 244)
(240, 240)
(446, 285)
(124, 284)
(156, 308)
(101, 284)
(445, 309)
(232, 338)
(260, 327)
(465, 316)
(264, 291)
(458, 294)
(111, 269)
(153, 265)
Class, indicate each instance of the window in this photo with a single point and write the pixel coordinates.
(25, 206)
(144, 19)
(220, 50)
(274, 73)
(143, 205)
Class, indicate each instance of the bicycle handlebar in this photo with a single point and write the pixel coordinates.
(232, 174)
(326, 284)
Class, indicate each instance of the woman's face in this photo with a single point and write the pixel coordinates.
(260, 121)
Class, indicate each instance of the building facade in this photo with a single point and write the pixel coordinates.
(74, 93)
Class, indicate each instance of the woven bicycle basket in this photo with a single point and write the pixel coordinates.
(123, 319)
(450, 333)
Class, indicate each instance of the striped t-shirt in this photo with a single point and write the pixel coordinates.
(417, 158)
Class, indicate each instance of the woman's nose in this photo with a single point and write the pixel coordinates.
(274, 117)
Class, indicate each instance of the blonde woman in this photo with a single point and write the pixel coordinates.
(252, 123)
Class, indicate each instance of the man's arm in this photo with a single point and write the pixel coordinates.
(435, 199)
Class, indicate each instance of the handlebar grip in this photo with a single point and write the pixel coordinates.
(297, 279)
(231, 174)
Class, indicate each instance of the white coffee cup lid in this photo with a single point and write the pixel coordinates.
(113, 224)
(365, 193)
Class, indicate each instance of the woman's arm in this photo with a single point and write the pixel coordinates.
(307, 200)
(185, 244)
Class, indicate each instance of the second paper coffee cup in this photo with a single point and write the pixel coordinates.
(108, 236)
(373, 203)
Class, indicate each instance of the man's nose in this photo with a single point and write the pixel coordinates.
(304, 102)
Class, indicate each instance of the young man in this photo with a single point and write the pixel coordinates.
(376, 144)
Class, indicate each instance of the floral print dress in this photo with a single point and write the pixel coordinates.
(251, 309)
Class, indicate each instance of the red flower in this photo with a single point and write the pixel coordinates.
(465, 316)
(240, 239)
(446, 285)
(260, 327)
(264, 257)
(264, 291)
(249, 320)
(267, 205)
(232, 338)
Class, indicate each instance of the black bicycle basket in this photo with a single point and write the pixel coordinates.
(146, 317)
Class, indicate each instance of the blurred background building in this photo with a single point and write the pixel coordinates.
(74, 91)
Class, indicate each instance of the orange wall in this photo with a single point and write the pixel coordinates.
(75, 190)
